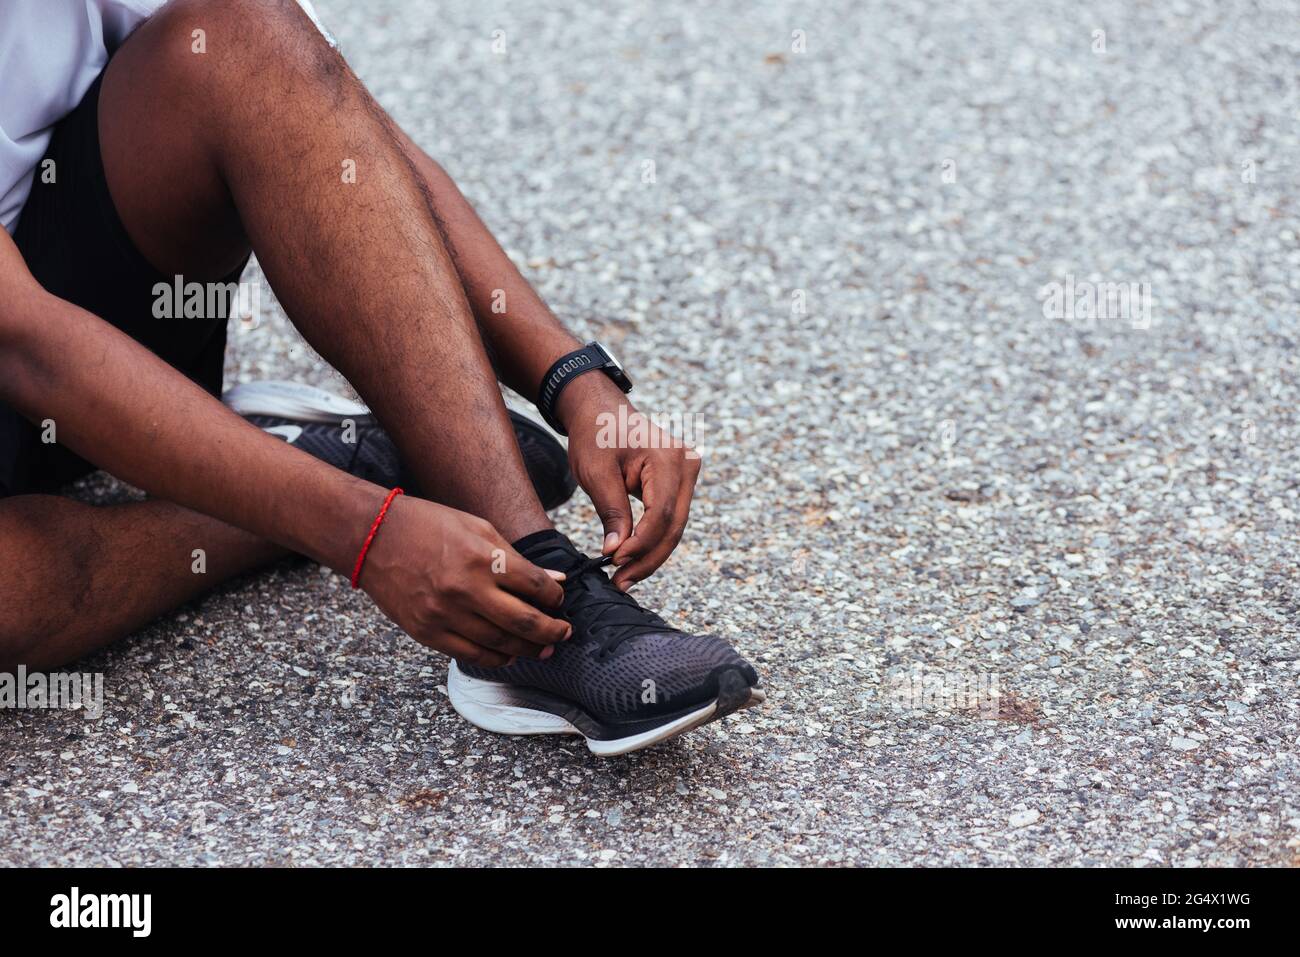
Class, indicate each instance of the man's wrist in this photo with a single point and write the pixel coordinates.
(537, 357)
(585, 397)
(352, 504)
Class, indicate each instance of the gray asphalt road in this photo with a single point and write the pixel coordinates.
(923, 472)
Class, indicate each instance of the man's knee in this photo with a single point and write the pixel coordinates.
(215, 48)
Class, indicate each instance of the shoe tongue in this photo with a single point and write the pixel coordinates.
(549, 549)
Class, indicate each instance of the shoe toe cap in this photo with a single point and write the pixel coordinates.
(685, 669)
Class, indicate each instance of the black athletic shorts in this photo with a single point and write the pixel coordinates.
(75, 245)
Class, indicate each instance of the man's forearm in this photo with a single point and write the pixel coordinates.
(116, 404)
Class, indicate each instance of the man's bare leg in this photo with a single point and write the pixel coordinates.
(81, 577)
(259, 137)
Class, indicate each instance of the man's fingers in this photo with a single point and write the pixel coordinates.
(660, 484)
(483, 632)
(467, 652)
(534, 584)
(522, 620)
(646, 566)
(609, 494)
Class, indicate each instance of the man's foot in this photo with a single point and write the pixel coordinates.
(624, 681)
(312, 419)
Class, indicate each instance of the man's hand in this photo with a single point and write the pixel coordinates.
(613, 455)
(453, 583)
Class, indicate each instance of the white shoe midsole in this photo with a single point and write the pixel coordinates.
(294, 400)
(485, 704)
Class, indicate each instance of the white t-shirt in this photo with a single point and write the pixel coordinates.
(50, 53)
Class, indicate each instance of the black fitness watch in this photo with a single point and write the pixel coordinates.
(565, 369)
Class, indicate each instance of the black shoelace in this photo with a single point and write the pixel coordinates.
(604, 611)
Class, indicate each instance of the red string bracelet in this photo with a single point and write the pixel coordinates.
(379, 520)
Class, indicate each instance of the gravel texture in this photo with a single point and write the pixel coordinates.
(913, 479)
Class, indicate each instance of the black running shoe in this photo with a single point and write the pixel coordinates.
(546, 460)
(311, 419)
(624, 681)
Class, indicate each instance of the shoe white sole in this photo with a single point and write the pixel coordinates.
(492, 706)
(295, 401)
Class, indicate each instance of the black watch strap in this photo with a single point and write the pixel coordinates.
(589, 358)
